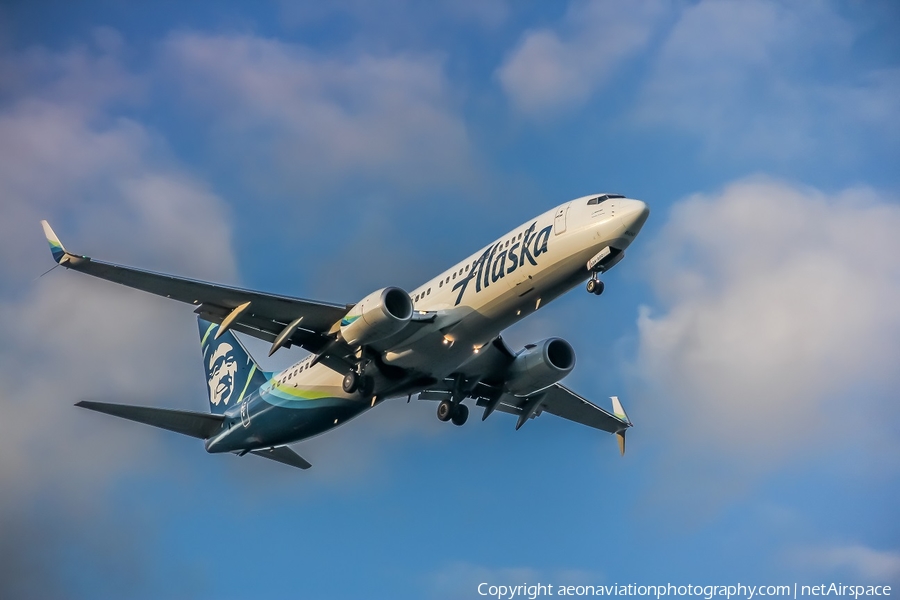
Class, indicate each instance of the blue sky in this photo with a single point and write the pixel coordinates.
(753, 332)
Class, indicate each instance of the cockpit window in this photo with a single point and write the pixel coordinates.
(604, 198)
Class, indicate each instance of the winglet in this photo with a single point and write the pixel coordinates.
(56, 247)
(618, 410)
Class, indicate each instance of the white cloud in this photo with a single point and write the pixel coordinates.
(876, 567)
(104, 186)
(765, 77)
(554, 69)
(778, 334)
(86, 76)
(315, 120)
(112, 192)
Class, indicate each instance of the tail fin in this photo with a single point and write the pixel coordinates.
(231, 373)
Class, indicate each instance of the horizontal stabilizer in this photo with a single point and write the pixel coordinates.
(285, 455)
(198, 425)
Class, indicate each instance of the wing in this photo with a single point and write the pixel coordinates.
(487, 374)
(561, 401)
(266, 316)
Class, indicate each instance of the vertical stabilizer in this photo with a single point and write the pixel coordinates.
(231, 373)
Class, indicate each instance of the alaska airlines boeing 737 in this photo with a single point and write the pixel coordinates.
(441, 341)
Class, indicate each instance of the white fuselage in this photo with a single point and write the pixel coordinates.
(493, 288)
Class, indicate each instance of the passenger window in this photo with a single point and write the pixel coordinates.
(441, 283)
(428, 292)
(454, 275)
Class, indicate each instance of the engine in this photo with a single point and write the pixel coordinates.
(377, 316)
(540, 365)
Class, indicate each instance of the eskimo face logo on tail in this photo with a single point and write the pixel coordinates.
(223, 368)
(499, 261)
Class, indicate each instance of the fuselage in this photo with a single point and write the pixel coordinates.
(473, 301)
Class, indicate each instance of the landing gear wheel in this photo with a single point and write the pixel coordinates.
(350, 383)
(595, 286)
(461, 414)
(445, 410)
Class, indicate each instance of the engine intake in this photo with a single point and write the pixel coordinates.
(380, 314)
(540, 365)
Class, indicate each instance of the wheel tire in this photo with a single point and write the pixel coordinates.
(350, 383)
(445, 410)
(599, 287)
(591, 285)
(461, 414)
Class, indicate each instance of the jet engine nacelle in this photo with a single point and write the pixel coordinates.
(540, 365)
(377, 316)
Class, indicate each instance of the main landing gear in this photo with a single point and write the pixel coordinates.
(452, 408)
(457, 413)
(594, 285)
(354, 382)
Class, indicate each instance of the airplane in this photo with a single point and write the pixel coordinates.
(440, 342)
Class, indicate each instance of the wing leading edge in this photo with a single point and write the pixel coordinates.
(262, 315)
(561, 401)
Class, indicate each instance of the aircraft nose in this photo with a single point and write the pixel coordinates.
(632, 214)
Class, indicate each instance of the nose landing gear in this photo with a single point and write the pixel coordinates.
(594, 285)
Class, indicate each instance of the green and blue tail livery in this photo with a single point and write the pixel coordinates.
(56, 247)
(231, 373)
